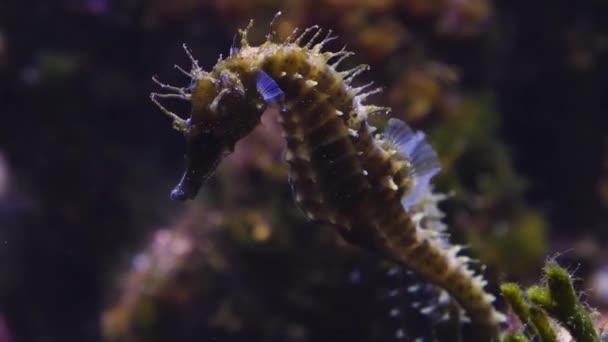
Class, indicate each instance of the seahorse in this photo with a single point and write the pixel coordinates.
(374, 188)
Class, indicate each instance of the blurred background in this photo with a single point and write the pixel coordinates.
(511, 93)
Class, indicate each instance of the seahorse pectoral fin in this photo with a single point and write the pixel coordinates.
(269, 89)
(423, 160)
(203, 155)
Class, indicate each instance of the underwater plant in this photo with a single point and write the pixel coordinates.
(373, 188)
(556, 300)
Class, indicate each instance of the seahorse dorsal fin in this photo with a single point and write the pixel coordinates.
(413, 147)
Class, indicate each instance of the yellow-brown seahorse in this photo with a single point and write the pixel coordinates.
(374, 188)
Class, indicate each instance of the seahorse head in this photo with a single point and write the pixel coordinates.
(222, 112)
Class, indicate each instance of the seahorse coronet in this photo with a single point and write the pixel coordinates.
(342, 173)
